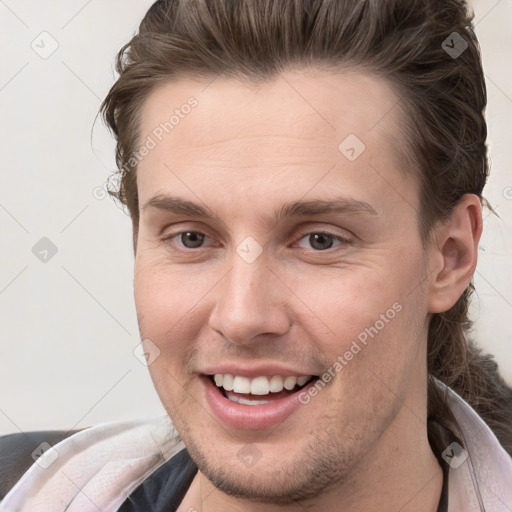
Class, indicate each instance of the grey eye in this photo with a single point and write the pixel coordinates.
(191, 239)
(320, 241)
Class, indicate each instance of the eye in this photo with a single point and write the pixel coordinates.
(188, 239)
(318, 240)
(321, 241)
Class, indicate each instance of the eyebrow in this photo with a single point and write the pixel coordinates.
(342, 205)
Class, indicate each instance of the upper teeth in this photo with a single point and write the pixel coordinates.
(260, 385)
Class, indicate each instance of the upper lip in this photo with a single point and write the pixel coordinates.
(254, 371)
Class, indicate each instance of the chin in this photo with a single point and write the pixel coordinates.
(280, 479)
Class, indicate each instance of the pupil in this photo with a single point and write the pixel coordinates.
(195, 239)
(320, 237)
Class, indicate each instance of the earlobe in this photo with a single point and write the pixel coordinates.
(456, 249)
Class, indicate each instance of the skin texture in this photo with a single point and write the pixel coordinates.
(242, 153)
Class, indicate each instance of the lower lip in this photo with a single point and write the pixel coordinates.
(250, 417)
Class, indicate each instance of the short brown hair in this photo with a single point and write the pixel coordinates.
(406, 41)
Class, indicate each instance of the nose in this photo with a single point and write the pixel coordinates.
(250, 302)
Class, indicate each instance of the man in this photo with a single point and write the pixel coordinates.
(304, 180)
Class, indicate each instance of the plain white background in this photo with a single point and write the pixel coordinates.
(68, 326)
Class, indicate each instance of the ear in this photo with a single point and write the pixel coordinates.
(455, 253)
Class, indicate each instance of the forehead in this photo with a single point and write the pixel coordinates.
(298, 125)
(308, 103)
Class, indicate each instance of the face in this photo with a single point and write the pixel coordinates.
(278, 243)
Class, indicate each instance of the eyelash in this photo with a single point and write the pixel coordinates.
(168, 240)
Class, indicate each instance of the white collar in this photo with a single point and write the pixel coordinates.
(480, 479)
(102, 464)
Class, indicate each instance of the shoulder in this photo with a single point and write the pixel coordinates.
(111, 458)
(20, 450)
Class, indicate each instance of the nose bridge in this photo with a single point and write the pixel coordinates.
(249, 300)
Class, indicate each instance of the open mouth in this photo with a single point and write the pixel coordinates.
(261, 390)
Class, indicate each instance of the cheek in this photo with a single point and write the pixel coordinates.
(367, 316)
(164, 290)
(166, 301)
(345, 303)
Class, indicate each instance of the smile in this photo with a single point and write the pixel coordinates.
(260, 402)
